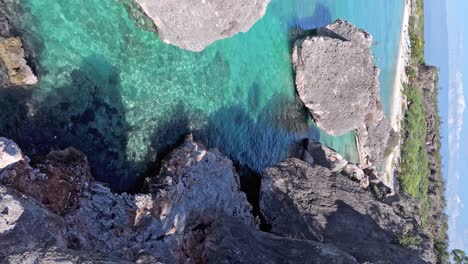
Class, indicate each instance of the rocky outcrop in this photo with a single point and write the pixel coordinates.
(10, 153)
(373, 142)
(315, 153)
(195, 187)
(230, 241)
(336, 77)
(337, 80)
(303, 201)
(56, 181)
(194, 212)
(26, 225)
(193, 25)
(13, 62)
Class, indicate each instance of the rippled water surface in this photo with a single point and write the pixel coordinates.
(114, 90)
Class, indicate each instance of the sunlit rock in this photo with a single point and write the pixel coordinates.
(12, 60)
(10, 153)
(195, 24)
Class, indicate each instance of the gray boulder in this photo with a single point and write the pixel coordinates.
(303, 201)
(230, 241)
(10, 153)
(336, 77)
(26, 225)
(195, 24)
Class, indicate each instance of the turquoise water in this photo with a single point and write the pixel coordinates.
(120, 94)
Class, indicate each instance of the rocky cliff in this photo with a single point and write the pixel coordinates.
(310, 202)
(193, 25)
(195, 212)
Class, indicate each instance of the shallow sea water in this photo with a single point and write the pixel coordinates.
(117, 92)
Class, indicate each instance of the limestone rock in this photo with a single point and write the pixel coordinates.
(230, 241)
(310, 202)
(373, 139)
(196, 186)
(12, 59)
(336, 77)
(356, 174)
(194, 24)
(10, 153)
(56, 181)
(26, 225)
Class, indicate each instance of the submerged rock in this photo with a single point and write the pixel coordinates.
(303, 201)
(193, 25)
(12, 61)
(336, 77)
(230, 241)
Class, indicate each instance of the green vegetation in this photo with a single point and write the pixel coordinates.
(459, 256)
(416, 33)
(407, 240)
(414, 170)
(420, 167)
(412, 73)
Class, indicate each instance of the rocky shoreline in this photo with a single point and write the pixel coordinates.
(194, 212)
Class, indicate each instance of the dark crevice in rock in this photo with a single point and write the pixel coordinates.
(250, 184)
(154, 167)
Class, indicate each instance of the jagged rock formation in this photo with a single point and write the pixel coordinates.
(195, 213)
(195, 187)
(56, 181)
(338, 82)
(230, 241)
(303, 201)
(193, 25)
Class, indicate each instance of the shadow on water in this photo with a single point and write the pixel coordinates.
(87, 114)
(256, 141)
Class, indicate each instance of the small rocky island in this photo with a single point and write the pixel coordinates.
(193, 25)
(337, 80)
(197, 205)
